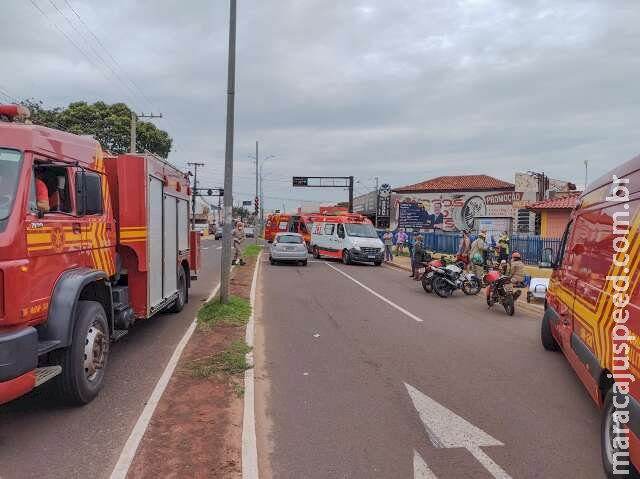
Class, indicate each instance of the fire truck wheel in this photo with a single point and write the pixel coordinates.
(548, 341)
(346, 257)
(178, 305)
(84, 362)
(611, 439)
(316, 253)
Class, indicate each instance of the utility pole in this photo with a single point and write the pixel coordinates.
(225, 272)
(257, 230)
(193, 193)
(375, 225)
(586, 173)
(351, 194)
(134, 124)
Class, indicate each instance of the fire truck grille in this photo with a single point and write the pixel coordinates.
(371, 250)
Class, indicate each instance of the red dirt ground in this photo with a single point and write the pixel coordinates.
(196, 430)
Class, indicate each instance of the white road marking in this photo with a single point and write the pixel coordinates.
(377, 295)
(420, 468)
(219, 247)
(133, 442)
(448, 430)
(249, 443)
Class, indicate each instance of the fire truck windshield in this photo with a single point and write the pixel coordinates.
(360, 230)
(10, 161)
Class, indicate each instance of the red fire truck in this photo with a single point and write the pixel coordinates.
(88, 244)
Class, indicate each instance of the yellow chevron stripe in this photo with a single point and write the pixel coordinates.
(39, 248)
(606, 306)
(35, 238)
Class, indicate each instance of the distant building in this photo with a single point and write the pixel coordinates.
(555, 213)
(535, 187)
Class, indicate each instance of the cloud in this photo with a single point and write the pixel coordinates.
(399, 90)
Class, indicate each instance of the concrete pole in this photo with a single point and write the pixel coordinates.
(377, 188)
(256, 232)
(134, 120)
(225, 270)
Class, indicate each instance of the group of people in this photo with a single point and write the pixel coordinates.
(475, 253)
(472, 251)
(414, 246)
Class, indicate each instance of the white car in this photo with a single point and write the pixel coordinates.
(289, 247)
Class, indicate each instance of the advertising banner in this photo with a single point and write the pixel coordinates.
(452, 211)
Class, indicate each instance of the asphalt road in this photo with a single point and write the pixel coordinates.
(41, 439)
(350, 386)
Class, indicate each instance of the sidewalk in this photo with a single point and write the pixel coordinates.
(535, 308)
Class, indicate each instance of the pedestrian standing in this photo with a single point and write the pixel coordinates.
(477, 252)
(417, 257)
(387, 238)
(238, 238)
(401, 237)
(464, 247)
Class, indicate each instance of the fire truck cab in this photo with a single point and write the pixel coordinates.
(88, 244)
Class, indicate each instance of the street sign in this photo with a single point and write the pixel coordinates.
(300, 181)
(246, 203)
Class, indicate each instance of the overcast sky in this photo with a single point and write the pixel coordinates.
(401, 90)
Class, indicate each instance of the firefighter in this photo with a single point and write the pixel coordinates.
(517, 270)
(238, 239)
(42, 194)
(477, 253)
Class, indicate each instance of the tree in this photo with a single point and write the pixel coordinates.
(108, 124)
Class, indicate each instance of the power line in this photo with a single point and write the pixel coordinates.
(75, 45)
(117, 65)
(7, 95)
(87, 42)
(115, 62)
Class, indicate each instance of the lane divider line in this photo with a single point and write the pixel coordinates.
(249, 442)
(377, 295)
(137, 433)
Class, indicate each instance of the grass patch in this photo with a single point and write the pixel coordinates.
(252, 250)
(235, 313)
(230, 362)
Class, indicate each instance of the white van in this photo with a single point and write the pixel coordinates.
(351, 238)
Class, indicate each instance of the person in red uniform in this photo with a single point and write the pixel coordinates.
(42, 194)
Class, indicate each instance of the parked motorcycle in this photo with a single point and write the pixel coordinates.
(499, 290)
(452, 277)
(427, 276)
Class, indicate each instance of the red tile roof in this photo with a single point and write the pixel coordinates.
(565, 202)
(458, 183)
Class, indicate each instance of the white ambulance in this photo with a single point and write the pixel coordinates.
(349, 237)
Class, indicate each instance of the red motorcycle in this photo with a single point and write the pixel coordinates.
(499, 290)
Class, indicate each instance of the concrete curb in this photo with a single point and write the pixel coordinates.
(536, 309)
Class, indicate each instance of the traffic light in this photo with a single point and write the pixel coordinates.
(256, 204)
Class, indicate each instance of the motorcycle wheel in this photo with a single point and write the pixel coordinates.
(427, 283)
(471, 287)
(509, 305)
(442, 288)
